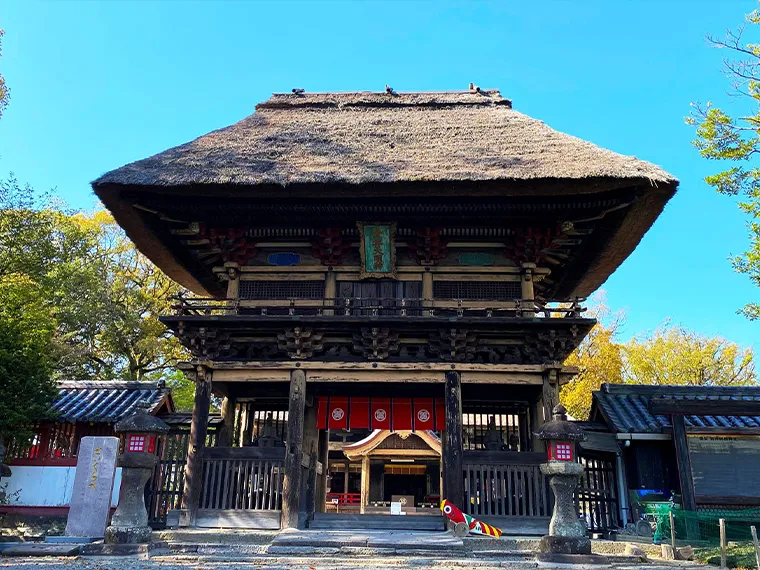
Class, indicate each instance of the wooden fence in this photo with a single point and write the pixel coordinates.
(506, 484)
(242, 478)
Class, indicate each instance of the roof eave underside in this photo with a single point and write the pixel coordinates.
(639, 218)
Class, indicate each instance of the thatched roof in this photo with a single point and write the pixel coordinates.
(360, 138)
(351, 146)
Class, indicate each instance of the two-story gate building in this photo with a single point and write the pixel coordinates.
(388, 285)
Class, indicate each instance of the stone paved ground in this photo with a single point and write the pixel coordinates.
(301, 563)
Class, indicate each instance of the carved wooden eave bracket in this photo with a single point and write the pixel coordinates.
(204, 342)
(329, 247)
(428, 247)
(551, 345)
(454, 345)
(300, 342)
(376, 343)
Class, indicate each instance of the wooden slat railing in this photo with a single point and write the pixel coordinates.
(504, 490)
(242, 478)
(377, 306)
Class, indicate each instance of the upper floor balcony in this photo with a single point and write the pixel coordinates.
(394, 329)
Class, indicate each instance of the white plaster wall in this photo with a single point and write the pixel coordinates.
(47, 486)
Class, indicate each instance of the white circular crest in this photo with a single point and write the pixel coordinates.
(380, 415)
(337, 414)
(402, 500)
(423, 415)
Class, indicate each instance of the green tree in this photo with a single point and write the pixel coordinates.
(26, 334)
(108, 314)
(5, 93)
(734, 137)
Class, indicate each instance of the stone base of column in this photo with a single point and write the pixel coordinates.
(128, 535)
(564, 545)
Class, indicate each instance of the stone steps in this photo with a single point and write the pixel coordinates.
(330, 521)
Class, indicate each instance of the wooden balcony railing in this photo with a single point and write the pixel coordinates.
(375, 307)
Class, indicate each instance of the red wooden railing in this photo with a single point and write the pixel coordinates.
(344, 498)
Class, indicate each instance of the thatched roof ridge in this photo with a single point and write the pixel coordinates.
(371, 138)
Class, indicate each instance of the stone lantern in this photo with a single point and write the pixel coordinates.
(567, 532)
(129, 524)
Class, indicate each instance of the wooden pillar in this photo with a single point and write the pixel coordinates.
(331, 290)
(526, 286)
(191, 495)
(684, 462)
(453, 452)
(291, 485)
(246, 423)
(535, 419)
(311, 446)
(346, 470)
(226, 433)
(550, 392)
(324, 448)
(427, 290)
(365, 484)
(233, 286)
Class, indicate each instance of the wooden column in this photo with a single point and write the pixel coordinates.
(226, 432)
(526, 286)
(550, 392)
(331, 290)
(535, 419)
(684, 462)
(246, 423)
(365, 484)
(310, 446)
(427, 289)
(324, 447)
(453, 452)
(191, 495)
(233, 286)
(346, 470)
(291, 485)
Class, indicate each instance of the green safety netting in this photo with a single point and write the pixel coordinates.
(702, 527)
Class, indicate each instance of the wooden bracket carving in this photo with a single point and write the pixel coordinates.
(429, 247)
(300, 342)
(454, 345)
(376, 343)
(329, 247)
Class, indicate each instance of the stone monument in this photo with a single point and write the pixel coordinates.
(568, 538)
(129, 524)
(93, 487)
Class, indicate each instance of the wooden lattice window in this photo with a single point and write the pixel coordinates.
(477, 290)
(282, 289)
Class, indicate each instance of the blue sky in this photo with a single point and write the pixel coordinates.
(99, 84)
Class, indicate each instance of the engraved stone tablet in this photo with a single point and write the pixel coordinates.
(93, 486)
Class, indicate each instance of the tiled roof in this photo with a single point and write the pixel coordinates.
(87, 401)
(626, 406)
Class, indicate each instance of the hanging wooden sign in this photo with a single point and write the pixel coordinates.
(378, 250)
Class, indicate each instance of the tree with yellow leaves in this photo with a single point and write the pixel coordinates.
(669, 355)
(599, 358)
